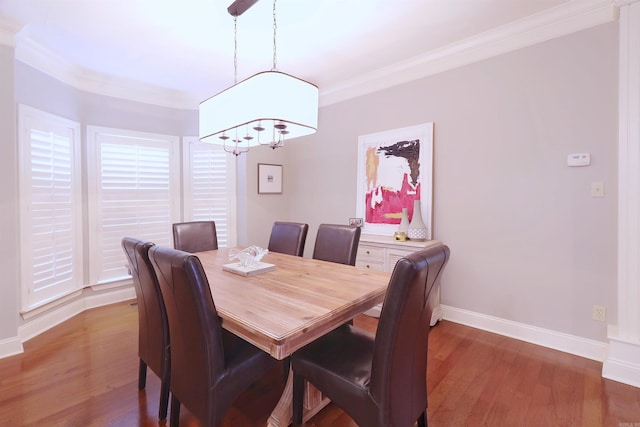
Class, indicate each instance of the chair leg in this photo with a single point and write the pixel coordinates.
(174, 420)
(142, 375)
(164, 400)
(422, 419)
(298, 399)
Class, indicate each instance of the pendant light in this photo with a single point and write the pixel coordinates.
(264, 109)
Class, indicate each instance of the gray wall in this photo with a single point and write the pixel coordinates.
(48, 94)
(528, 242)
(9, 282)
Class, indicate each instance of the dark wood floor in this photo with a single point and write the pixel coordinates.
(84, 373)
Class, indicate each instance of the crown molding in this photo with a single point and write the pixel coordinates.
(573, 16)
(48, 62)
(621, 3)
(8, 31)
(576, 15)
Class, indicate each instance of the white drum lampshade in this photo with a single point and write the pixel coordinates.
(263, 109)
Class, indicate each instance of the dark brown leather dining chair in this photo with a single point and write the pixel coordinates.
(195, 236)
(153, 327)
(210, 367)
(379, 380)
(337, 243)
(288, 238)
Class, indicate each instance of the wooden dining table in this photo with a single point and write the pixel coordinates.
(282, 310)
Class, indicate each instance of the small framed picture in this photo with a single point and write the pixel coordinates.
(355, 222)
(269, 179)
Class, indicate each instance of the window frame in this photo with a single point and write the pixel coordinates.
(29, 119)
(97, 271)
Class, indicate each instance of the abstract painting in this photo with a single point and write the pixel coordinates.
(394, 169)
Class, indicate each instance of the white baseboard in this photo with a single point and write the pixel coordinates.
(10, 347)
(106, 298)
(578, 346)
(622, 362)
(37, 325)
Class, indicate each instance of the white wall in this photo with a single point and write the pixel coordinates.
(528, 242)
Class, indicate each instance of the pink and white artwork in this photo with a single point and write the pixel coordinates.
(394, 169)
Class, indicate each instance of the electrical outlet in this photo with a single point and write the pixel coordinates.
(597, 189)
(599, 313)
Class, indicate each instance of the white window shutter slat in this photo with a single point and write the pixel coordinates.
(134, 188)
(209, 192)
(51, 221)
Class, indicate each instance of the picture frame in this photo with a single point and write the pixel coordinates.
(269, 178)
(394, 169)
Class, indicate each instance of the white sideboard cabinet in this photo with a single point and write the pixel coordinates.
(382, 252)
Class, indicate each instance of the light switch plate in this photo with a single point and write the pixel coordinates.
(579, 159)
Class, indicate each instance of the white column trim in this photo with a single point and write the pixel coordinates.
(621, 363)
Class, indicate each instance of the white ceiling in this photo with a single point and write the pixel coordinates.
(187, 45)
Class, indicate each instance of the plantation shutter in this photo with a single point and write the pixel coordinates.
(134, 192)
(50, 208)
(210, 188)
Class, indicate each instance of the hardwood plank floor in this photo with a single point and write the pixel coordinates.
(84, 373)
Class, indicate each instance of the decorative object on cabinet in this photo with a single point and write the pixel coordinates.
(400, 236)
(381, 253)
(417, 229)
(269, 179)
(404, 221)
(355, 222)
(395, 168)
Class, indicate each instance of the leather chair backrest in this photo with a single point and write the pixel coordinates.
(337, 243)
(197, 354)
(195, 236)
(402, 334)
(288, 237)
(153, 335)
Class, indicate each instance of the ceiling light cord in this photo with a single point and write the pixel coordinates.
(275, 29)
(235, 50)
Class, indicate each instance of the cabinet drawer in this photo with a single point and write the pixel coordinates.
(370, 252)
(370, 264)
(393, 255)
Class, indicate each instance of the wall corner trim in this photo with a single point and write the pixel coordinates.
(618, 366)
(8, 31)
